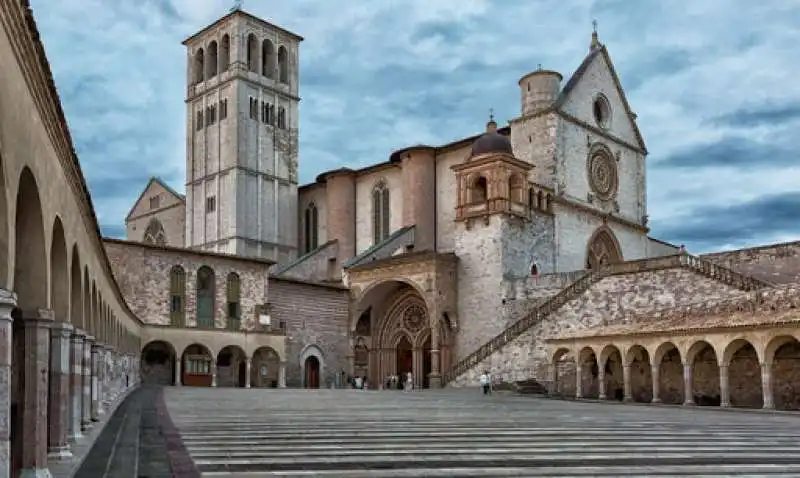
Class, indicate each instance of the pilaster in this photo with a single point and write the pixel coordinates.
(86, 402)
(33, 430)
(8, 300)
(59, 388)
(95, 387)
(76, 384)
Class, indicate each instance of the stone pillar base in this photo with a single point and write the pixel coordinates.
(655, 400)
(59, 453)
(688, 404)
(35, 473)
(75, 437)
(85, 426)
(602, 396)
(435, 381)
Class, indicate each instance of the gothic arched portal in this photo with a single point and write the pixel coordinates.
(603, 249)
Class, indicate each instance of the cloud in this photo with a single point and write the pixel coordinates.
(743, 224)
(712, 86)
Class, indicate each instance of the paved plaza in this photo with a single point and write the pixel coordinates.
(460, 433)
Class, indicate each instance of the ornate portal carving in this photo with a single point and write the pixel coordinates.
(414, 318)
(602, 170)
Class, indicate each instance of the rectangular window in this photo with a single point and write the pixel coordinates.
(223, 109)
(233, 310)
(199, 122)
(154, 202)
(211, 204)
(176, 304)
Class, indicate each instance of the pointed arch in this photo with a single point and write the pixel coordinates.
(154, 234)
(381, 212)
(603, 249)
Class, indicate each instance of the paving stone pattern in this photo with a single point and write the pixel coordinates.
(134, 442)
(460, 433)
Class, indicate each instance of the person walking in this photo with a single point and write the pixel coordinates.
(486, 383)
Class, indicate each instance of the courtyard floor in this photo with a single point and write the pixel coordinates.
(452, 433)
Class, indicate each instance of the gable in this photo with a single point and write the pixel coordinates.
(167, 197)
(598, 76)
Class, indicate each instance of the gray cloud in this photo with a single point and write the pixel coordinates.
(377, 76)
(705, 228)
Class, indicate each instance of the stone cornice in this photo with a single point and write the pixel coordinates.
(23, 36)
(564, 201)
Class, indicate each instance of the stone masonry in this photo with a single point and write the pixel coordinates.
(607, 302)
(315, 317)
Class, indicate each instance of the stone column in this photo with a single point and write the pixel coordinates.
(213, 373)
(688, 388)
(626, 383)
(95, 388)
(282, 375)
(178, 377)
(655, 371)
(33, 429)
(59, 391)
(724, 388)
(435, 380)
(86, 402)
(552, 371)
(766, 385)
(578, 381)
(108, 377)
(601, 384)
(8, 300)
(248, 364)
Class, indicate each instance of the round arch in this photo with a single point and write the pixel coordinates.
(5, 240)
(265, 368)
(59, 272)
(30, 255)
(603, 249)
(312, 363)
(231, 363)
(197, 365)
(158, 363)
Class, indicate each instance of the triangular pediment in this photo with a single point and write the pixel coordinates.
(597, 75)
(155, 187)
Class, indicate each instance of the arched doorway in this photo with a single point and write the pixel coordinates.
(311, 372)
(603, 249)
(265, 368)
(231, 364)
(158, 364)
(196, 366)
(404, 358)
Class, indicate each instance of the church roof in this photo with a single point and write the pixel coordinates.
(246, 15)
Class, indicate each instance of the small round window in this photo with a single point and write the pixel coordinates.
(602, 111)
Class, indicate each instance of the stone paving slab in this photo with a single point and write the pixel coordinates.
(348, 433)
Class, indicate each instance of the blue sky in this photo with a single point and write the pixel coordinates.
(715, 88)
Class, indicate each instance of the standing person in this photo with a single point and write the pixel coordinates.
(486, 382)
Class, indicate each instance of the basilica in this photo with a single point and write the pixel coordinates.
(522, 250)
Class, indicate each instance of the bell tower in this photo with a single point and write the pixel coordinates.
(242, 122)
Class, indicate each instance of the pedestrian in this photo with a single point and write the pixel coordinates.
(486, 382)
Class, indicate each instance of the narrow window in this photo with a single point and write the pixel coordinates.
(211, 204)
(205, 297)
(234, 293)
(380, 213)
(199, 122)
(154, 201)
(177, 295)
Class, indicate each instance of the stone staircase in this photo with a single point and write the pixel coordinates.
(584, 282)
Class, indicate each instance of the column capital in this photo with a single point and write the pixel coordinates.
(62, 328)
(90, 339)
(8, 301)
(96, 347)
(78, 334)
(38, 317)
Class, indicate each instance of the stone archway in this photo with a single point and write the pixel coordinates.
(400, 341)
(231, 367)
(158, 364)
(197, 366)
(5, 253)
(265, 368)
(31, 285)
(603, 249)
(312, 363)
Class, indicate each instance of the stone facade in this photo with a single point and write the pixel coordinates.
(612, 300)
(143, 273)
(312, 317)
(158, 216)
(775, 263)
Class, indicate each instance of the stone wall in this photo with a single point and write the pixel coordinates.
(314, 266)
(609, 301)
(316, 319)
(775, 263)
(143, 274)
